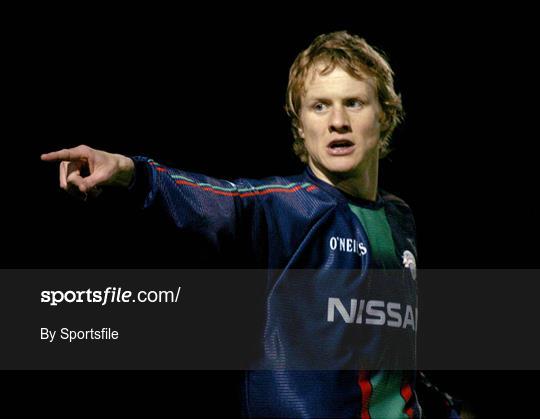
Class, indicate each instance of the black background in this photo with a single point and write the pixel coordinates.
(205, 92)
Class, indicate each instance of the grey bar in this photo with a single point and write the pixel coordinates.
(468, 320)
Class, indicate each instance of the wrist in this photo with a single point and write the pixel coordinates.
(126, 171)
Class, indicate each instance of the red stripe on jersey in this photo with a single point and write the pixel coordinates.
(409, 412)
(311, 188)
(406, 393)
(206, 188)
(365, 390)
(272, 190)
(241, 195)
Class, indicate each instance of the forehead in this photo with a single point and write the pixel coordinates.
(336, 82)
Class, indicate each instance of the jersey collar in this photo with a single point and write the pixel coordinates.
(343, 196)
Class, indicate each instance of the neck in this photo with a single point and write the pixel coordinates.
(361, 183)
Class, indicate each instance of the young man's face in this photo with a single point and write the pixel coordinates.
(340, 123)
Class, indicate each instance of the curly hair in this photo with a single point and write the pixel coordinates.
(360, 60)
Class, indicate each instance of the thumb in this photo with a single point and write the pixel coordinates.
(94, 179)
(76, 180)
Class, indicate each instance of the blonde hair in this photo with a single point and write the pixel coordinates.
(355, 56)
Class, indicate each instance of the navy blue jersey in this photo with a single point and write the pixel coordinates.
(338, 332)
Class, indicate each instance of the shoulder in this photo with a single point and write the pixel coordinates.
(397, 208)
(392, 199)
(296, 198)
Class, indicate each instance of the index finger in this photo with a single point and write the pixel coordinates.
(69, 154)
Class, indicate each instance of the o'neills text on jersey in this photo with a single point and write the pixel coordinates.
(348, 245)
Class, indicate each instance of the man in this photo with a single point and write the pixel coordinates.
(336, 342)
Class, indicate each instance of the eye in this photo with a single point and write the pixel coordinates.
(354, 103)
(319, 107)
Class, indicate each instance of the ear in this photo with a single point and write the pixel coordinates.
(299, 128)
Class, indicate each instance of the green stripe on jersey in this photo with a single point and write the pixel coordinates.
(383, 250)
(386, 400)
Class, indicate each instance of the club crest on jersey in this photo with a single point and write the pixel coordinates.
(409, 262)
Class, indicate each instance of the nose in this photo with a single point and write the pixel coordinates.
(339, 121)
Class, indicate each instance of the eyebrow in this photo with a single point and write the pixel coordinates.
(349, 97)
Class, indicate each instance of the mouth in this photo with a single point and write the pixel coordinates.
(340, 147)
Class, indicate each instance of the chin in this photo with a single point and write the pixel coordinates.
(342, 166)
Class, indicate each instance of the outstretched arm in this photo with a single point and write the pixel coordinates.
(219, 211)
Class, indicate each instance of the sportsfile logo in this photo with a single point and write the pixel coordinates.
(342, 244)
(375, 312)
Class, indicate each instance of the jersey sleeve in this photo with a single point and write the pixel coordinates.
(197, 204)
